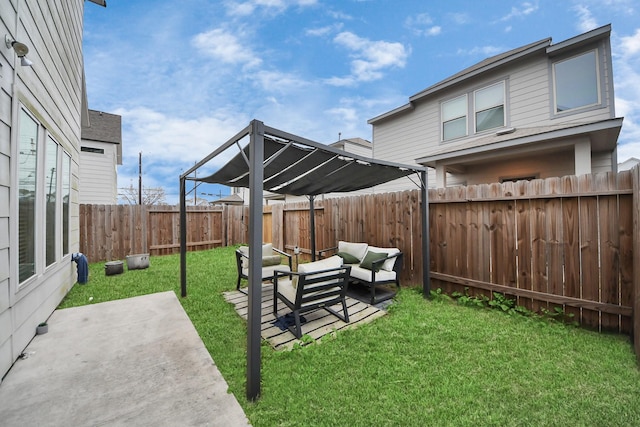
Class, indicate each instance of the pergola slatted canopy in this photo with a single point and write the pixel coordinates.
(290, 168)
(284, 163)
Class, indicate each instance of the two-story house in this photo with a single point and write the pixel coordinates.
(538, 111)
(100, 155)
(42, 106)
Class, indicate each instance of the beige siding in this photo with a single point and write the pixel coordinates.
(51, 90)
(98, 176)
(415, 133)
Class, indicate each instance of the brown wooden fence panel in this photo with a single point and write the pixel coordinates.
(565, 243)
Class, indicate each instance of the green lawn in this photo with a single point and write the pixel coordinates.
(426, 363)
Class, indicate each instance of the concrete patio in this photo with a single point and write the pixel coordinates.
(137, 361)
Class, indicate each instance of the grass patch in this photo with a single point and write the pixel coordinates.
(426, 363)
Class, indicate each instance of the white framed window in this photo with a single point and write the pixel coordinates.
(576, 82)
(28, 130)
(66, 201)
(51, 199)
(489, 108)
(454, 118)
(44, 190)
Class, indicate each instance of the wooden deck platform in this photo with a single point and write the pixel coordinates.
(319, 323)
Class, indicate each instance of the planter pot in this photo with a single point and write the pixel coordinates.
(113, 267)
(42, 329)
(137, 262)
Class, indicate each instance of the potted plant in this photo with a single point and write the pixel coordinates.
(42, 328)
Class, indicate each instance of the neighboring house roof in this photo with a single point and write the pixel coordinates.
(104, 127)
(356, 141)
(232, 199)
(628, 164)
(493, 62)
(603, 135)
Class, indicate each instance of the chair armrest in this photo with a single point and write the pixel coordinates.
(285, 254)
(397, 265)
(322, 251)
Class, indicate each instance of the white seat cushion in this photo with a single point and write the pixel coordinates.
(267, 272)
(367, 275)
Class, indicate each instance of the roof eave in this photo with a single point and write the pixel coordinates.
(397, 111)
(533, 48)
(610, 124)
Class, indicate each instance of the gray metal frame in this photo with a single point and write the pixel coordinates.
(256, 132)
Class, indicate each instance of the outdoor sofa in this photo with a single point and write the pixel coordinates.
(271, 262)
(371, 266)
(316, 285)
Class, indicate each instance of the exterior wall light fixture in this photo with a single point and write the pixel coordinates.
(21, 50)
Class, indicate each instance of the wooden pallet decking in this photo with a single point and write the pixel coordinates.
(319, 323)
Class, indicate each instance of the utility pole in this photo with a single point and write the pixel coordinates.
(140, 178)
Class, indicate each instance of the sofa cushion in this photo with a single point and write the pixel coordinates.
(366, 275)
(388, 264)
(358, 250)
(268, 271)
(347, 258)
(324, 264)
(370, 258)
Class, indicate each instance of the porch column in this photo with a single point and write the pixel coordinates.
(441, 175)
(582, 155)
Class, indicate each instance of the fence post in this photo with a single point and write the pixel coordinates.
(636, 261)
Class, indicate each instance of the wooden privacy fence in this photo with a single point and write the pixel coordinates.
(110, 232)
(560, 242)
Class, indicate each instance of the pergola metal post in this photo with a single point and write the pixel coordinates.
(256, 174)
(183, 237)
(312, 224)
(426, 257)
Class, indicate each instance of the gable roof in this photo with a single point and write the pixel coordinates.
(489, 64)
(103, 127)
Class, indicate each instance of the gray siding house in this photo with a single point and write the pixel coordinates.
(42, 106)
(537, 111)
(100, 155)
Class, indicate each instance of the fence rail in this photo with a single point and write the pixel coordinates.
(567, 242)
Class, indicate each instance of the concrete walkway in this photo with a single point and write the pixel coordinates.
(133, 362)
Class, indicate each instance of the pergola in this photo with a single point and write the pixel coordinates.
(284, 163)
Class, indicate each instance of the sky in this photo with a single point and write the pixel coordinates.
(188, 75)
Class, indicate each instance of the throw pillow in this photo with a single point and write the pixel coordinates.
(370, 257)
(271, 260)
(348, 258)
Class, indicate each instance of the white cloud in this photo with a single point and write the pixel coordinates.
(276, 81)
(586, 21)
(323, 31)
(422, 25)
(626, 63)
(270, 7)
(525, 8)
(630, 45)
(481, 50)
(226, 47)
(370, 58)
(460, 18)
